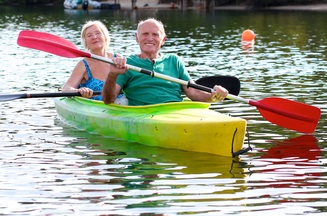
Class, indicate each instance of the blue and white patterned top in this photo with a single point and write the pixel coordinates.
(92, 83)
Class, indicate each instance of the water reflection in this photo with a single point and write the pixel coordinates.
(51, 168)
(129, 178)
(291, 166)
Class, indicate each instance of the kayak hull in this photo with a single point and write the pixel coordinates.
(189, 126)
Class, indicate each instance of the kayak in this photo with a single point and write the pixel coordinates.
(189, 126)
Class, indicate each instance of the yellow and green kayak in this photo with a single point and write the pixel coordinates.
(189, 126)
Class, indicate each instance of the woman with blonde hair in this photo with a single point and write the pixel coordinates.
(89, 74)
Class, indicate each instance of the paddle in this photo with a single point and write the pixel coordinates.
(8, 97)
(285, 113)
(229, 82)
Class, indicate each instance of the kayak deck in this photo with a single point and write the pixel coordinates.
(189, 126)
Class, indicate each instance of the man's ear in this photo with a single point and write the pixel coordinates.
(163, 40)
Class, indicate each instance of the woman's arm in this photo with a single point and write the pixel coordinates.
(75, 79)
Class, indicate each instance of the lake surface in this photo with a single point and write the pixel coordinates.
(49, 168)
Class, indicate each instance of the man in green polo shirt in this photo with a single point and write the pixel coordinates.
(143, 90)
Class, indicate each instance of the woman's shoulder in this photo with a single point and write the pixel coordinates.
(80, 66)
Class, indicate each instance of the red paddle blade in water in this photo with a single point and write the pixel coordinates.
(49, 43)
(304, 147)
(289, 114)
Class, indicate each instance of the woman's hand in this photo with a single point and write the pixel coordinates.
(85, 92)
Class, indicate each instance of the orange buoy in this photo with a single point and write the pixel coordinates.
(248, 35)
(248, 38)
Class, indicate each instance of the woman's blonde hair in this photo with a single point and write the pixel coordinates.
(102, 27)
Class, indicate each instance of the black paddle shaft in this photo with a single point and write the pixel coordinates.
(8, 97)
(231, 83)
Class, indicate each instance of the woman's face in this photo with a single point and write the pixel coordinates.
(94, 38)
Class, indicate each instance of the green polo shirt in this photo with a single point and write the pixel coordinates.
(142, 89)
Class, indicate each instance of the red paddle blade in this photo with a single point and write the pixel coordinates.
(289, 114)
(45, 36)
(49, 43)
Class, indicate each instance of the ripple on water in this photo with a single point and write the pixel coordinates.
(50, 168)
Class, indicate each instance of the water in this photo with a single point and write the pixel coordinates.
(49, 168)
